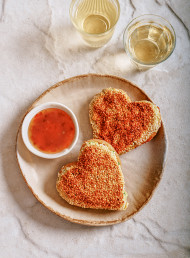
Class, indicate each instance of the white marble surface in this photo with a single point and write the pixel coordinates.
(39, 47)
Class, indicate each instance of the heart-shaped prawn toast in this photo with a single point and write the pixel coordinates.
(122, 123)
(95, 180)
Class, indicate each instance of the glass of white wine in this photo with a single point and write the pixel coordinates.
(95, 20)
(149, 40)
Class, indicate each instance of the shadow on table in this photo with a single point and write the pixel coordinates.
(66, 45)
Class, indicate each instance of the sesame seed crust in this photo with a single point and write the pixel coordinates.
(95, 180)
(122, 123)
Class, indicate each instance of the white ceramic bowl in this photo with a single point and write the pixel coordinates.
(28, 119)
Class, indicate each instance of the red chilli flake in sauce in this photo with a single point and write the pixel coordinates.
(51, 130)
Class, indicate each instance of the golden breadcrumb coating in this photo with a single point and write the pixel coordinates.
(95, 180)
(122, 123)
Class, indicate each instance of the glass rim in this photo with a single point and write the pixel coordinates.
(149, 15)
(94, 34)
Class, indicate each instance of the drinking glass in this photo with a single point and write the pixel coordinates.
(95, 20)
(149, 40)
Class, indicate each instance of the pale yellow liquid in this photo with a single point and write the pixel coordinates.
(95, 21)
(96, 24)
(150, 44)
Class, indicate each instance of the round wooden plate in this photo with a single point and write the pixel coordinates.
(142, 167)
